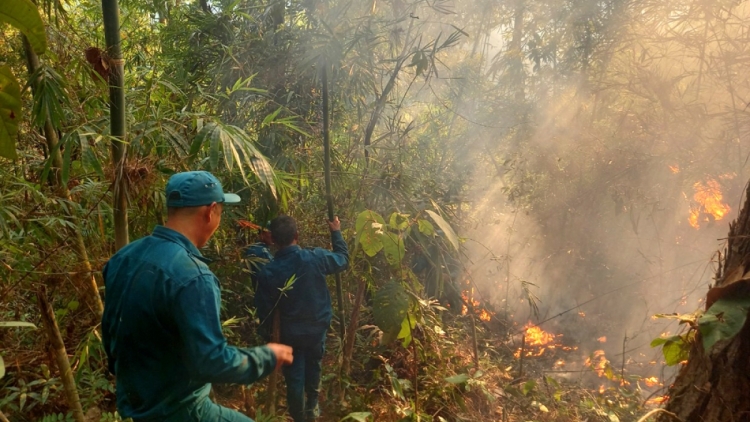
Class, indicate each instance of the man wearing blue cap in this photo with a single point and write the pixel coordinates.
(305, 310)
(161, 327)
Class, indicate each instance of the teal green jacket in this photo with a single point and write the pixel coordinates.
(161, 328)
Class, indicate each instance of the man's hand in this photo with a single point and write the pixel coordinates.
(283, 354)
(335, 225)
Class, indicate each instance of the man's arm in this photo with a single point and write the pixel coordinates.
(204, 347)
(337, 260)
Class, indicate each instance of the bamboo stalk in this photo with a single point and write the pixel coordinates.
(61, 355)
(329, 196)
(53, 145)
(3, 418)
(111, 14)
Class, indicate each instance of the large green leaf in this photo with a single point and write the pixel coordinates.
(24, 15)
(390, 304)
(675, 349)
(393, 246)
(369, 227)
(10, 112)
(445, 227)
(723, 320)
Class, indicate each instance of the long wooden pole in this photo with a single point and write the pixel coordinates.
(61, 355)
(273, 379)
(111, 13)
(329, 196)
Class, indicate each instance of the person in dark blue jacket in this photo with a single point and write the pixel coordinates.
(161, 328)
(304, 307)
(258, 254)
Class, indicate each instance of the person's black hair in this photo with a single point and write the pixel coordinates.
(283, 230)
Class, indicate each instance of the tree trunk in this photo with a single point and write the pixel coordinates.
(53, 141)
(111, 13)
(715, 385)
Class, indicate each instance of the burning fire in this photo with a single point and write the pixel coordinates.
(537, 341)
(710, 206)
(602, 339)
(598, 362)
(674, 169)
(483, 314)
(651, 381)
(657, 400)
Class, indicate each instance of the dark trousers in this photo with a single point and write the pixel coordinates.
(303, 378)
(203, 411)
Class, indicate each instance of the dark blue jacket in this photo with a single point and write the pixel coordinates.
(161, 328)
(305, 309)
(257, 256)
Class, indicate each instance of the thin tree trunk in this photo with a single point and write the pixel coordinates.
(53, 146)
(110, 11)
(61, 355)
(329, 195)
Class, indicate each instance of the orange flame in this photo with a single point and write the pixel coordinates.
(602, 389)
(602, 339)
(710, 206)
(484, 315)
(651, 381)
(657, 400)
(537, 341)
(598, 362)
(674, 169)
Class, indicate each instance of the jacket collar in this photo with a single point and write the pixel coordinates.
(287, 250)
(178, 238)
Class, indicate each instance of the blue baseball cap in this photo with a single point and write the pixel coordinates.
(195, 189)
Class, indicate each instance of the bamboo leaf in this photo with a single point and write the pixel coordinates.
(445, 227)
(10, 112)
(24, 15)
(2, 367)
(16, 324)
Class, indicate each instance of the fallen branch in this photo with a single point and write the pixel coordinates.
(655, 411)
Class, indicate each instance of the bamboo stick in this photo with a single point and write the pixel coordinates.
(61, 355)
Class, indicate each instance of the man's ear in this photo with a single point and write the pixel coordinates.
(296, 235)
(211, 211)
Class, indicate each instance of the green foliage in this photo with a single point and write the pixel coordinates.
(675, 348)
(10, 112)
(390, 306)
(24, 15)
(445, 227)
(235, 146)
(58, 417)
(723, 320)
